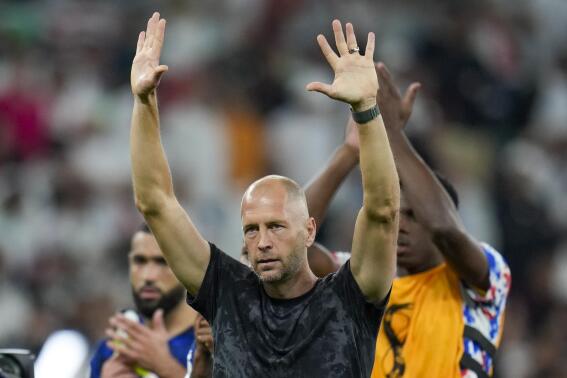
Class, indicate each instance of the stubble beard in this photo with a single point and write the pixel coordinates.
(289, 269)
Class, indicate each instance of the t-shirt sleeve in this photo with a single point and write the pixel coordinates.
(500, 280)
(222, 273)
(353, 297)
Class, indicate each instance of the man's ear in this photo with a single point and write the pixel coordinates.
(311, 232)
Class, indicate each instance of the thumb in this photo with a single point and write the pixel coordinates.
(159, 71)
(157, 321)
(319, 87)
(411, 94)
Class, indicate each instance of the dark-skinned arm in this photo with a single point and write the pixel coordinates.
(431, 204)
(321, 190)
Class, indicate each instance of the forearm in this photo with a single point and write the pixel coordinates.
(380, 182)
(373, 259)
(321, 189)
(434, 209)
(150, 170)
(430, 202)
(173, 369)
(202, 366)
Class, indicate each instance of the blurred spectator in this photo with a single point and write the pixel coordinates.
(492, 116)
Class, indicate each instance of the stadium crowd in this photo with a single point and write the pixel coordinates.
(491, 116)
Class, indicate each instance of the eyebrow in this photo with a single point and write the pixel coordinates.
(151, 258)
(269, 223)
(246, 227)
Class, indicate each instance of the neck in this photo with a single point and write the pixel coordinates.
(433, 260)
(179, 319)
(294, 287)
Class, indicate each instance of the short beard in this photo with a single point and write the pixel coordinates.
(293, 266)
(167, 302)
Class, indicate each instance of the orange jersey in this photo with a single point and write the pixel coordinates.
(433, 320)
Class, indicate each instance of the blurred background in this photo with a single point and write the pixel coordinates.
(492, 117)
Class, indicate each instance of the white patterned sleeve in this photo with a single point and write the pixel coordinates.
(500, 280)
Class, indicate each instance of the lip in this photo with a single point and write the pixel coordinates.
(150, 294)
(402, 249)
(267, 263)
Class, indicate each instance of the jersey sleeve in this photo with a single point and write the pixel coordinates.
(500, 280)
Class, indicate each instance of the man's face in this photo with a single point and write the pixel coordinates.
(415, 247)
(276, 233)
(153, 283)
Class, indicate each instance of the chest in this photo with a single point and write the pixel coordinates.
(251, 330)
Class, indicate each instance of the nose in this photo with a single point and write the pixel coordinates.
(150, 272)
(265, 242)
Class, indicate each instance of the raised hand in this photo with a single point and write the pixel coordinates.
(395, 109)
(146, 70)
(355, 79)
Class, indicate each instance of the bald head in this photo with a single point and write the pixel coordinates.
(277, 187)
(277, 229)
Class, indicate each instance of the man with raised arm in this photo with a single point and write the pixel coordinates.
(277, 319)
(446, 311)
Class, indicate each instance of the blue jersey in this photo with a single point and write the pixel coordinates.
(179, 347)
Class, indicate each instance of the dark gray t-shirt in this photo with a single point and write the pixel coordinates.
(328, 332)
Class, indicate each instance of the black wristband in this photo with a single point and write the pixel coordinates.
(366, 115)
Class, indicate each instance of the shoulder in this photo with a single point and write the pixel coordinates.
(496, 261)
(500, 279)
(101, 354)
(181, 344)
(345, 285)
(185, 337)
(223, 268)
(102, 350)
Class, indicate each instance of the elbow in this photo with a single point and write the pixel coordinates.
(149, 207)
(384, 214)
(444, 235)
(145, 208)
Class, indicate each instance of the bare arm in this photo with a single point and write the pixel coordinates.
(185, 250)
(203, 357)
(321, 261)
(321, 190)
(374, 243)
(431, 204)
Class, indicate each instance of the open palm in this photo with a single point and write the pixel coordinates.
(146, 70)
(355, 79)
